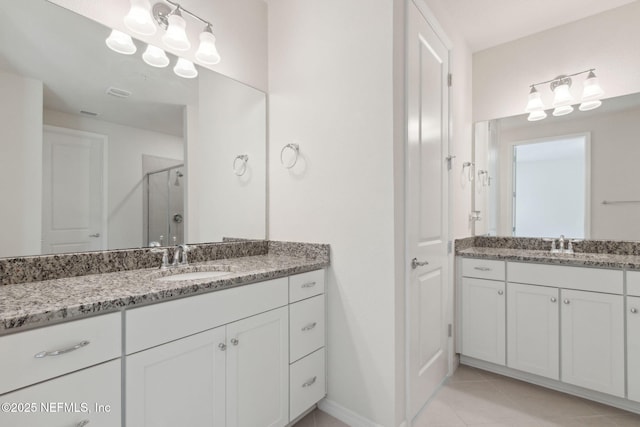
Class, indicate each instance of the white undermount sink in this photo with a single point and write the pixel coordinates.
(194, 275)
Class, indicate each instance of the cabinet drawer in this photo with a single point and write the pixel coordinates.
(578, 278)
(306, 327)
(306, 383)
(160, 323)
(483, 268)
(306, 285)
(633, 283)
(91, 395)
(87, 342)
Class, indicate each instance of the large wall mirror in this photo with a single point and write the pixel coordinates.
(576, 175)
(99, 150)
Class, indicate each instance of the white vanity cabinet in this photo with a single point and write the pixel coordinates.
(483, 310)
(633, 335)
(533, 329)
(63, 375)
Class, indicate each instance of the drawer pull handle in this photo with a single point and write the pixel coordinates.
(482, 268)
(310, 382)
(634, 310)
(82, 423)
(63, 351)
(309, 327)
(308, 285)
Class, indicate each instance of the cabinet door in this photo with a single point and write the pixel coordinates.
(593, 341)
(258, 370)
(89, 397)
(633, 347)
(181, 383)
(483, 320)
(533, 329)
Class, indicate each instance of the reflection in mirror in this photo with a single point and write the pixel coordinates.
(602, 177)
(94, 143)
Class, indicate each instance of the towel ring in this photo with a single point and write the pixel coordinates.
(239, 168)
(296, 150)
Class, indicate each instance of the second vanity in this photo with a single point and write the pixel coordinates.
(245, 348)
(567, 322)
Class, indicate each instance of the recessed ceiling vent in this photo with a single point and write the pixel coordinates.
(118, 93)
(88, 113)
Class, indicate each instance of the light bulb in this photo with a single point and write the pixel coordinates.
(185, 68)
(535, 102)
(534, 116)
(562, 110)
(176, 36)
(139, 18)
(121, 43)
(155, 57)
(207, 52)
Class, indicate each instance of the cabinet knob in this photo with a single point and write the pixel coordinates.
(553, 299)
(500, 292)
(222, 346)
(634, 310)
(566, 301)
(234, 341)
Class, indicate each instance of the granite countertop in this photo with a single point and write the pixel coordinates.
(28, 305)
(579, 259)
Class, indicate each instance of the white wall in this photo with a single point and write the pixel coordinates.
(231, 121)
(21, 165)
(339, 94)
(614, 170)
(126, 146)
(240, 27)
(607, 41)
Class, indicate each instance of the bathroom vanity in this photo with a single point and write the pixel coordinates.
(565, 321)
(243, 347)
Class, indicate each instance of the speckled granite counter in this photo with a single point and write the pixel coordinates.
(590, 253)
(28, 305)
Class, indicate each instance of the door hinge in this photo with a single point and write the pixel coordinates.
(449, 246)
(450, 330)
(449, 160)
(450, 79)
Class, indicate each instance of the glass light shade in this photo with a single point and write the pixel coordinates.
(176, 36)
(139, 18)
(592, 89)
(121, 43)
(534, 116)
(535, 102)
(590, 105)
(562, 110)
(207, 52)
(562, 96)
(185, 68)
(155, 57)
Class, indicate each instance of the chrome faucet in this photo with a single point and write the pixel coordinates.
(561, 242)
(180, 255)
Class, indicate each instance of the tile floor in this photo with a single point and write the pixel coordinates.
(472, 397)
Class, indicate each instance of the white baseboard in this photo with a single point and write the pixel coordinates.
(345, 415)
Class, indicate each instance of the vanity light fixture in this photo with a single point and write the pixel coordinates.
(155, 57)
(176, 35)
(207, 52)
(185, 69)
(121, 43)
(563, 99)
(139, 18)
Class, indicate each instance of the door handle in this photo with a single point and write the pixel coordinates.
(415, 263)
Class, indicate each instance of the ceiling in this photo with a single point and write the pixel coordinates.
(488, 23)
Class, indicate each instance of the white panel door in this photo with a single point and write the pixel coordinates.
(73, 191)
(258, 370)
(593, 341)
(633, 347)
(88, 397)
(533, 329)
(483, 320)
(426, 210)
(181, 383)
